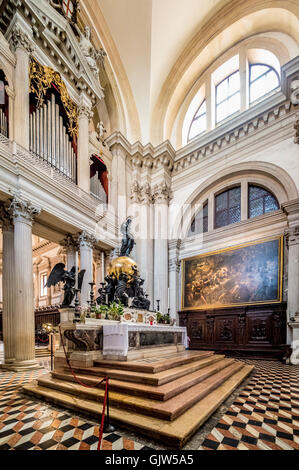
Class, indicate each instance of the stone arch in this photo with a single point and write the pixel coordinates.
(236, 20)
(267, 175)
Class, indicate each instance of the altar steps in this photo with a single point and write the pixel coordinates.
(170, 389)
(151, 378)
(169, 409)
(157, 364)
(174, 433)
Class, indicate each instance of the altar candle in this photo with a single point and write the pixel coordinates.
(76, 271)
(168, 297)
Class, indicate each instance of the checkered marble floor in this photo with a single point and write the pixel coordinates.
(265, 415)
(26, 424)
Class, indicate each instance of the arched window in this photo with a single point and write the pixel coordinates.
(199, 223)
(228, 96)
(99, 178)
(228, 207)
(199, 121)
(262, 80)
(260, 201)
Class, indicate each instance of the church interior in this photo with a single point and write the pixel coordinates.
(149, 225)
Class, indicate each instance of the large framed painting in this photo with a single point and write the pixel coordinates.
(247, 274)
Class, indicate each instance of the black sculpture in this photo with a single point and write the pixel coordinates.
(128, 242)
(59, 274)
(127, 286)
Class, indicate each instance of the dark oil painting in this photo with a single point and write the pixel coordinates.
(248, 274)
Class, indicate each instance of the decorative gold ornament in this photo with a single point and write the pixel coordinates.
(122, 264)
(41, 78)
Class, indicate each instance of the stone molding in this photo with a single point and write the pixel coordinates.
(86, 240)
(19, 39)
(23, 210)
(174, 265)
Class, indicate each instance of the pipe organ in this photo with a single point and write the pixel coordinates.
(97, 189)
(50, 140)
(3, 123)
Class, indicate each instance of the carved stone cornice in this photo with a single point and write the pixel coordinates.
(162, 193)
(23, 210)
(86, 240)
(296, 127)
(19, 39)
(85, 111)
(69, 243)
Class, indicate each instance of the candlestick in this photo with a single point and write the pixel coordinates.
(76, 271)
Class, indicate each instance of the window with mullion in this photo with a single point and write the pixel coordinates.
(200, 221)
(228, 98)
(228, 207)
(199, 122)
(262, 80)
(260, 201)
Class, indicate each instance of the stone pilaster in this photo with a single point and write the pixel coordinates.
(8, 283)
(22, 47)
(161, 195)
(86, 243)
(83, 170)
(174, 270)
(24, 337)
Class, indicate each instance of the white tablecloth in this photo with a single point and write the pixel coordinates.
(115, 339)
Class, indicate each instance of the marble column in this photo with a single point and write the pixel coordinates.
(8, 283)
(83, 165)
(24, 327)
(174, 287)
(86, 243)
(21, 45)
(161, 196)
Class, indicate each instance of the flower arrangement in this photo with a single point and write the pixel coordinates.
(115, 311)
(163, 319)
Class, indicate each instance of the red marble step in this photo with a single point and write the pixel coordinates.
(158, 378)
(155, 364)
(162, 392)
(167, 410)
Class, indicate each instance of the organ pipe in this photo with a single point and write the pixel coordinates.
(49, 138)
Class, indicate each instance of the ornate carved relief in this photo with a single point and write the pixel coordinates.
(196, 331)
(162, 193)
(23, 210)
(21, 39)
(6, 219)
(259, 331)
(226, 330)
(85, 111)
(86, 239)
(69, 243)
(92, 55)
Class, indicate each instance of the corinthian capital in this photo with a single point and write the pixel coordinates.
(136, 192)
(23, 210)
(69, 243)
(162, 193)
(85, 111)
(86, 239)
(21, 39)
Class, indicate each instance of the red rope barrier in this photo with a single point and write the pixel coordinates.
(101, 429)
(41, 340)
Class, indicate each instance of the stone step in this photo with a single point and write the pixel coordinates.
(168, 410)
(159, 378)
(162, 392)
(174, 433)
(155, 364)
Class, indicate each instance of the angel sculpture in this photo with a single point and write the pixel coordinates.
(59, 274)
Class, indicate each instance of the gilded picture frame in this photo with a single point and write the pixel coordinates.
(246, 274)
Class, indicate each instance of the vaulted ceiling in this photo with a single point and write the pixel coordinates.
(154, 44)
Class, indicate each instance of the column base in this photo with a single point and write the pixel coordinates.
(19, 366)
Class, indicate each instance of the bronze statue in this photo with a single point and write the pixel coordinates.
(128, 242)
(59, 274)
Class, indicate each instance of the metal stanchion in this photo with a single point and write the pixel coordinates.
(51, 346)
(108, 427)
